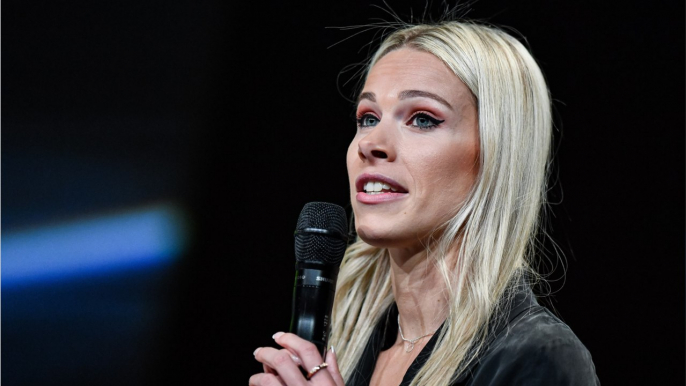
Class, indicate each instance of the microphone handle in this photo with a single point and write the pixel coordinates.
(313, 294)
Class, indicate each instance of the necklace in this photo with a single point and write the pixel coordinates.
(410, 341)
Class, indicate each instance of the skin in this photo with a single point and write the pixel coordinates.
(418, 126)
(436, 163)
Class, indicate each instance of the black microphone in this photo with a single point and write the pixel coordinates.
(320, 242)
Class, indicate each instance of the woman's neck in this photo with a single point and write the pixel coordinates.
(419, 291)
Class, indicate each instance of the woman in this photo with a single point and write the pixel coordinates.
(448, 177)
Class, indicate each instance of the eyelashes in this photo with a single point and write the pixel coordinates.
(424, 121)
(420, 120)
(367, 120)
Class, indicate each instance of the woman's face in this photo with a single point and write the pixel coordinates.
(415, 156)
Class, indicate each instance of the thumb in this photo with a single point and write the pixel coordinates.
(332, 361)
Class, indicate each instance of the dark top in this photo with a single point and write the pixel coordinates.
(529, 347)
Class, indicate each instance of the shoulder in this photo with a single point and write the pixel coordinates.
(535, 348)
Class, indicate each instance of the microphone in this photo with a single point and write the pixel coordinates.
(320, 242)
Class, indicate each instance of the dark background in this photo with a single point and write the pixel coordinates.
(231, 113)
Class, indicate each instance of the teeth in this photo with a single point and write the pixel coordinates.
(376, 187)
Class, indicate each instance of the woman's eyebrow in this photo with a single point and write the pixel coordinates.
(367, 95)
(423, 94)
(406, 95)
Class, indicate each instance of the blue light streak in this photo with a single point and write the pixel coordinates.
(134, 239)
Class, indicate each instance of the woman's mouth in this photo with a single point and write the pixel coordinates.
(377, 183)
(377, 188)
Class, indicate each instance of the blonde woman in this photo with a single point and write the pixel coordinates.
(448, 178)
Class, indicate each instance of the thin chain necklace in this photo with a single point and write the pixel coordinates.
(410, 341)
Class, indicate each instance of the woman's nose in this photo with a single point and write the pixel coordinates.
(377, 145)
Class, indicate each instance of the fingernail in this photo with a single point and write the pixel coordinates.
(332, 350)
(255, 352)
(278, 334)
(296, 360)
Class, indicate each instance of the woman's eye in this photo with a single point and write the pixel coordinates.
(367, 120)
(424, 121)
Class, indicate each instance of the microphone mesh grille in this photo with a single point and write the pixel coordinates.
(318, 248)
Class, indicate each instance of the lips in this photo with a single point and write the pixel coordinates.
(376, 187)
(375, 183)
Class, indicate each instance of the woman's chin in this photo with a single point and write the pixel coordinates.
(375, 237)
(385, 238)
(390, 238)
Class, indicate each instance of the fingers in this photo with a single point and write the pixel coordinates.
(332, 360)
(280, 362)
(268, 369)
(308, 354)
(265, 380)
(283, 367)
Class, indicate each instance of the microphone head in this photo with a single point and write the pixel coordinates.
(321, 234)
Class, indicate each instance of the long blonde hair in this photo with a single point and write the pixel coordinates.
(496, 227)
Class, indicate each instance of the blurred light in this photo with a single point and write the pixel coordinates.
(134, 239)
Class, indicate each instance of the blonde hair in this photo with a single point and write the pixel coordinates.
(494, 232)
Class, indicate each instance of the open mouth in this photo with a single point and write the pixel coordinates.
(376, 184)
(377, 187)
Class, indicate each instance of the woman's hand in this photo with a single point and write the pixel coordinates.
(282, 367)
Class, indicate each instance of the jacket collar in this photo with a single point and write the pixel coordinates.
(517, 300)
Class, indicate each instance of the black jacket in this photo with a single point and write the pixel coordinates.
(530, 347)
